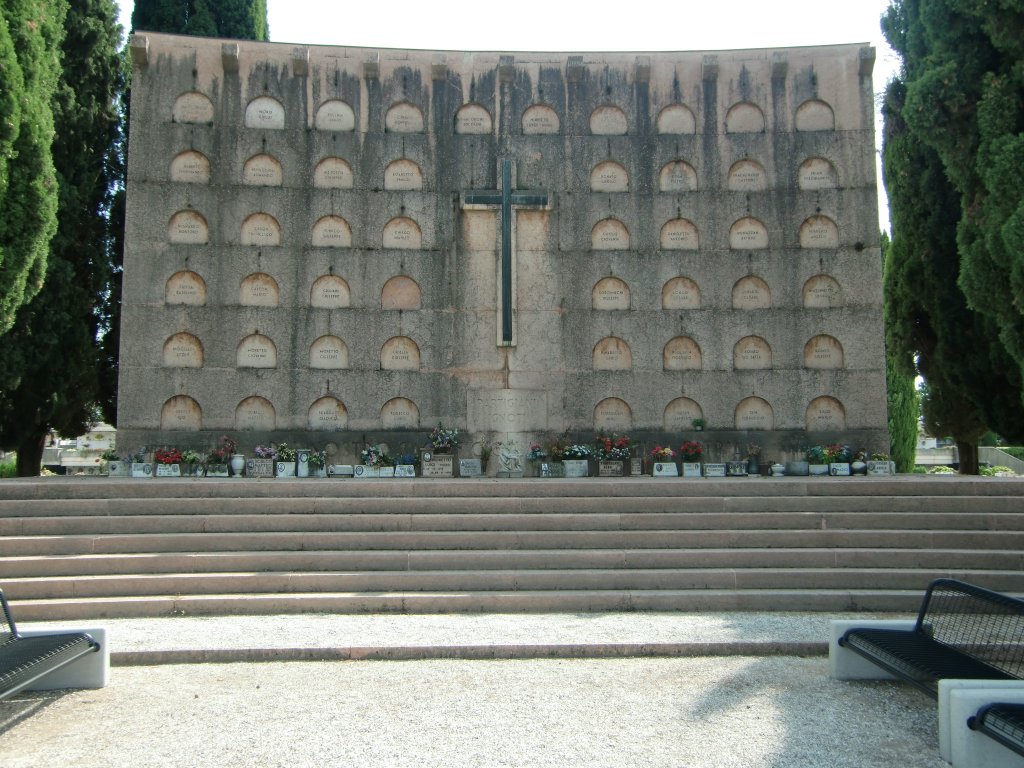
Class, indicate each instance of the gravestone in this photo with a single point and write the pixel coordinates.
(540, 119)
(333, 173)
(256, 414)
(335, 115)
(332, 232)
(261, 229)
(190, 167)
(754, 413)
(183, 350)
(185, 288)
(613, 415)
(264, 112)
(609, 235)
(181, 413)
(748, 234)
(328, 414)
(679, 235)
(825, 414)
(817, 173)
(256, 351)
(682, 354)
(823, 353)
(403, 175)
(259, 290)
(400, 413)
(400, 354)
(404, 118)
(609, 176)
(402, 233)
(677, 176)
(747, 176)
(610, 293)
(612, 354)
(680, 293)
(328, 353)
(822, 292)
(263, 171)
(472, 119)
(751, 293)
(401, 292)
(752, 353)
(330, 292)
(188, 228)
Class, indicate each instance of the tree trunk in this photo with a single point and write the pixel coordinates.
(968, 453)
(30, 455)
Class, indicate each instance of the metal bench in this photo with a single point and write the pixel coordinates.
(27, 658)
(1003, 722)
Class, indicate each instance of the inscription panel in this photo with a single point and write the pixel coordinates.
(823, 352)
(819, 232)
(540, 119)
(680, 293)
(610, 293)
(181, 413)
(677, 176)
(190, 167)
(183, 350)
(507, 410)
(751, 293)
(255, 414)
(261, 229)
(748, 234)
(256, 351)
(264, 112)
(680, 413)
(332, 173)
(612, 354)
(262, 171)
(400, 354)
(609, 235)
(676, 119)
(747, 176)
(400, 413)
(682, 354)
(328, 414)
(817, 173)
(330, 292)
(259, 290)
(332, 232)
(822, 292)
(401, 292)
(609, 176)
(815, 115)
(608, 121)
(679, 235)
(472, 119)
(188, 228)
(404, 118)
(403, 175)
(328, 353)
(185, 288)
(334, 115)
(754, 413)
(192, 107)
(744, 118)
(751, 354)
(825, 414)
(402, 233)
(613, 414)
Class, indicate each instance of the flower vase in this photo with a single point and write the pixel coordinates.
(237, 464)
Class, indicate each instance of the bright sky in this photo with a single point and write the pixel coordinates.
(600, 25)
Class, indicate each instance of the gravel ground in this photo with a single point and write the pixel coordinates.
(754, 712)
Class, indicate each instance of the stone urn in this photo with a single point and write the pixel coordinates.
(237, 464)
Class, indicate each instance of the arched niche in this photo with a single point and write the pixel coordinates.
(192, 107)
(676, 119)
(540, 119)
(255, 414)
(682, 354)
(817, 173)
(680, 413)
(815, 115)
(680, 293)
(825, 414)
(335, 115)
(613, 415)
(747, 176)
(823, 352)
(190, 167)
(259, 290)
(612, 354)
(400, 413)
(754, 413)
(751, 293)
(183, 350)
(400, 353)
(822, 292)
(328, 353)
(679, 235)
(264, 112)
(330, 292)
(610, 293)
(333, 173)
(819, 232)
(748, 234)
(744, 117)
(261, 229)
(263, 170)
(256, 351)
(402, 232)
(328, 414)
(188, 228)
(609, 235)
(608, 120)
(401, 292)
(181, 414)
(472, 119)
(677, 176)
(332, 232)
(185, 287)
(402, 175)
(404, 117)
(609, 176)
(751, 353)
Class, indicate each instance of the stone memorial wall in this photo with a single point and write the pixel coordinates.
(330, 240)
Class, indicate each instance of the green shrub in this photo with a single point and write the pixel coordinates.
(941, 470)
(8, 470)
(1016, 451)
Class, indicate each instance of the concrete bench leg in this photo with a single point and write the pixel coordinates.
(845, 664)
(1003, 690)
(970, 749)
(89, 671)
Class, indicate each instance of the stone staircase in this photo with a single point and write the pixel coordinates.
(91, 548)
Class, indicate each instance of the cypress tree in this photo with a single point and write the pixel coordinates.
(902, 395)
(240, 19)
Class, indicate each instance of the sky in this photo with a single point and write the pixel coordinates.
(599, 25)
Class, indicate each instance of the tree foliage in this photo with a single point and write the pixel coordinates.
(903, 411)
(30, 35)
(241, 19)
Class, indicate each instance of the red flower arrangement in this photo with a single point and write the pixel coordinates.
(691, 451)
(167, 456)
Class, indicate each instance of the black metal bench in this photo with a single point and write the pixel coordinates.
(962, 632)
(26, 659)
(1002, 722)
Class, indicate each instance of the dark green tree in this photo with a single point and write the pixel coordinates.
(902, 394)
(241, 19)
(53, 359)
(30, 35)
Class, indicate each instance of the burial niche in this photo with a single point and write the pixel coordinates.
(256, 351)
(472, 118)
(747, 176)
(181, 413)
(744, 117)
(332, 232)
(404, 118)
(823, 352)
(613, 415)
(255, 414)
(190, 167)
(825, 414)
(183, 350)
(609, 176)
(680, 293)
(751, 354)
(748, 234)
(680, 413)
(401, 292)
(330, 292)
(682, 354)
(677, 176)
(676, 119)
(679, 235)
(185, 287)
(817, 173)
(754, 413)
(400, 354)
(609, 235)
(815, 115)
(402, 232)
(261, 229)
(540, 119)
(612, 354)
(332, 173)
(188, 228)
(822, 292)
(819, 232)
(751, 293)
(608, 121)
(334, 115)
(610, 293)
(259, 290)
(400, 413)
(264, 112)
(192, 107)
(402, 175)
(328, 353)
(328, 414)
(262, 171)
